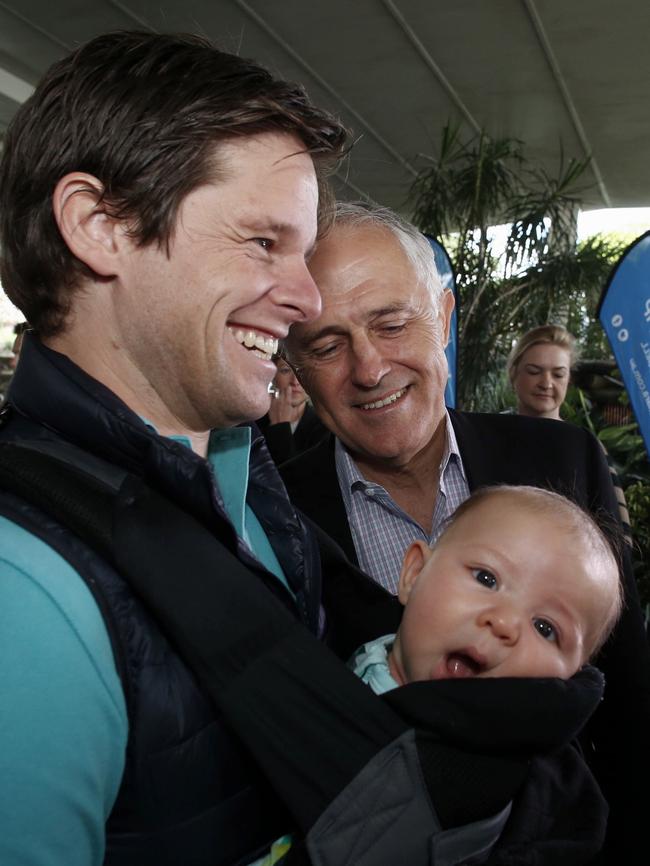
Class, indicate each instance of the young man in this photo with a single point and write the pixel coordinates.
(158, 199)
(160, 597)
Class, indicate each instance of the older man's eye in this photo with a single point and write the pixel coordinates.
(546, 629)
(485, 577)
(321, 353)
(392, 329)
(265, 243)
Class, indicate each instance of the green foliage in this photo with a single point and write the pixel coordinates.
(638, 503)
(629, 457)
(625, 445)
(541, 276)
(627, 451)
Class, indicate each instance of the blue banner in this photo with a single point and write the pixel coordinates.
(624, 312)
(448, 279)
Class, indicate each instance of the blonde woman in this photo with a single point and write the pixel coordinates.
(539, 369)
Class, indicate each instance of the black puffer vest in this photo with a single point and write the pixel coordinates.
(189, 795)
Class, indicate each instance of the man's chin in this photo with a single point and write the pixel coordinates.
(247, 411)
(260, 409)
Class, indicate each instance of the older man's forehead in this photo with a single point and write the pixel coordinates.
(360, 258)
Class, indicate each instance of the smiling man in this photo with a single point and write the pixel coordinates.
(159, 202)
(399, 462)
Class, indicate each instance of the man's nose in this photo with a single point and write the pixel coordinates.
(368, 366)
(503, 621)
(298, 293)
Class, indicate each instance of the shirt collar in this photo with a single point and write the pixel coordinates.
(451, 451)
(350, 476)
(229, 456)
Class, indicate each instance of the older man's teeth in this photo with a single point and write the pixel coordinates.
(379, 403)
(264, 346)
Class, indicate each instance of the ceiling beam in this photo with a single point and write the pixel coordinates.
(324, 84)
(560, 80)
(35, 27)
(14, 88)
(432, 65)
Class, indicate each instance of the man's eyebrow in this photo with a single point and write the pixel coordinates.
(326, 331)
(390, 309)
(276, 227)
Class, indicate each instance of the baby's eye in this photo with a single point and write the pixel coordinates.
(546, 629)
(485, 577)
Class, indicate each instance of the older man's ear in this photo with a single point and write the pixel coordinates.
(447, 304)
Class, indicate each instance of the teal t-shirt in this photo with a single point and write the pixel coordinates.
(63, 724)
(63, 721)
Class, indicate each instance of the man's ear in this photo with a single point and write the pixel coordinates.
(447, 304)
(414, 561)
(92, 235)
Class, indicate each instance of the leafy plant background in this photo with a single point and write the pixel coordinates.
(542, 275)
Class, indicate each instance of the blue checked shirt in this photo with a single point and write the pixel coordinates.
(380, 529)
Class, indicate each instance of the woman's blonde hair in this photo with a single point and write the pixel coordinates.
(556, 335)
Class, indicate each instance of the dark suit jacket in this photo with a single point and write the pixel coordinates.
(511, 449)
(283, 444)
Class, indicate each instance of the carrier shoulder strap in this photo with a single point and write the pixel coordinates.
(268, 676)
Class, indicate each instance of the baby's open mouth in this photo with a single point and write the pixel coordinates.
(460, 665)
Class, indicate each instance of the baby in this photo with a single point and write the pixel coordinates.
(522, 583)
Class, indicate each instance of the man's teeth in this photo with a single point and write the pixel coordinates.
(379, 403)
(268, 346)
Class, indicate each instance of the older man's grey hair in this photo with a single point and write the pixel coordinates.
(414, 244)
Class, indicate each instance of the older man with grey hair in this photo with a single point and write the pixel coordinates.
(374, 365)
(399, 462)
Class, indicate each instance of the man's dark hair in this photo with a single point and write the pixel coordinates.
(142, 113)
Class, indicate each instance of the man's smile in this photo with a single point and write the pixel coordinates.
(385, 401)
(263, 345)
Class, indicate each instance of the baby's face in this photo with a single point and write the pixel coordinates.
(506, 592)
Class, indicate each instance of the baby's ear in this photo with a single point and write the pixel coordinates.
(414, 561)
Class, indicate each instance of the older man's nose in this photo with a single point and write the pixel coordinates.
(368, 365)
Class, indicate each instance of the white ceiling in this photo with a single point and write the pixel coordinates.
(554, 73)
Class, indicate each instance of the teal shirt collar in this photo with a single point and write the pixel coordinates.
(229, 458)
